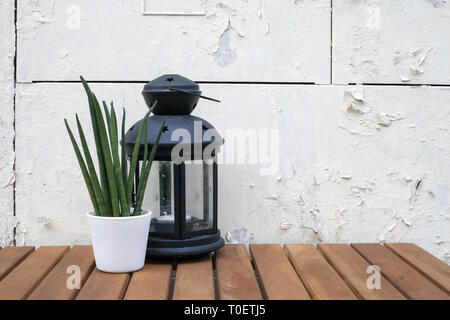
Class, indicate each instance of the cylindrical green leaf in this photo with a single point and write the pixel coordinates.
(107, 115)
(125, 209)
(123, 156)
(112, 185)
(134, 157)
(146, 166)
(84, 171)
(101, 160)
(92, 173)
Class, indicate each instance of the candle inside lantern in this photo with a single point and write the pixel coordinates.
(165, 224)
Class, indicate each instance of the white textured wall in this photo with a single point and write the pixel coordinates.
(358, 163)
(256, 40)
(7, 177)
(398, 41)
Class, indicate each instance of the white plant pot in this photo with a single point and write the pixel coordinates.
(120, 244)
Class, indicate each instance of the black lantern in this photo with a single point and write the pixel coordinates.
(184, 221)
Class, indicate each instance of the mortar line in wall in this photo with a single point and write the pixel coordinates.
(401, 84)
(331, 41)
(14, 119)
(387, 84)
(199, 82)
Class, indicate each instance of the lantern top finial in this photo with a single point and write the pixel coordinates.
(168, 81)
(176, 95)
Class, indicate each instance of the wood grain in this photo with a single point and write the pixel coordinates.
(10, 257)
(150, 283)
(352, 268)
(20, 282)
(104, 286)
(235, 276)
(431, 267)
(333, 271)
(410, 282)
(319, 278)
(54, 286)
(278, 278)
(194, 280)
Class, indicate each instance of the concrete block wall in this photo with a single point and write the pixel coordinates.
(358, 91)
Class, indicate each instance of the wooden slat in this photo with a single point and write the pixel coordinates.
(20, 282)
(320, 279)
(278, 278)
(431, 267)
(10, 257)
(406, 279)
(194, 280)
(353, 270)
(235, 276)
(104, 286)
(54, 286)
(150, 283)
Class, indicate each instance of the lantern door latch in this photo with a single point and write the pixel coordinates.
(173, 8)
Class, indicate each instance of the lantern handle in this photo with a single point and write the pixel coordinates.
(193, 93)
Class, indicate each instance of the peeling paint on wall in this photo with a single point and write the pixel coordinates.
(332, 186)
(230, 42)
(437, 3)
(36, 14)
(360, 118)
(237, 236)
(358, 163)
(366, 50)
(286, 225)
(224, 55)
(412, 61)
(7, 156)
(223, 18)
(354, 99)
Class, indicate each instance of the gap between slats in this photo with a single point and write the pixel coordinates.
(319, 278)
(172, 279)
(23, 289)
(215, 277)
(278, 279)
(428, 266)
(355, 292)
(10, 260)
(215, 281)
(236, 275)
(352, 268)
(258, 279)
(82, 285)
(412, 284)
(104, 286)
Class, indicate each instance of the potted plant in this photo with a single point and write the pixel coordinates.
(118, 231)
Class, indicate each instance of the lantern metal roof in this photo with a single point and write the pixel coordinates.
(176, 98)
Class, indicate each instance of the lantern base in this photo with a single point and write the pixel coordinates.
(194, 246)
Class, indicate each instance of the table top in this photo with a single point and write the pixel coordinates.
(266, 271)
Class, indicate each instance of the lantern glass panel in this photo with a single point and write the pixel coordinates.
(199, 195)
(162, 198)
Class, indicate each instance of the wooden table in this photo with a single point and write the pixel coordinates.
(299, 271)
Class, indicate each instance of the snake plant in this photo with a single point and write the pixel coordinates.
(111, 190)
